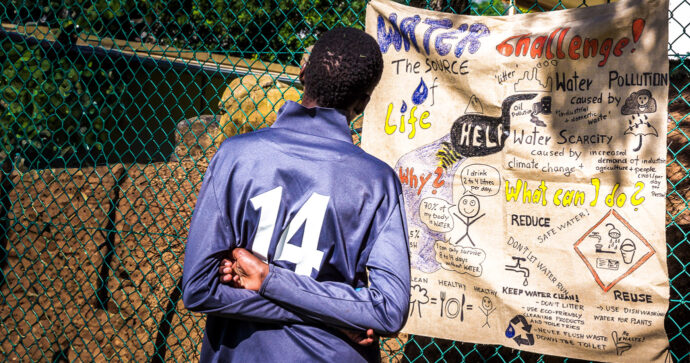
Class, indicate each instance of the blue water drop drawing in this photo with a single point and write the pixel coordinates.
(420, 94)
(403, 108)
(510, 332)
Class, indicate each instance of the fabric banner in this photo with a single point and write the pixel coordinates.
(531, 149)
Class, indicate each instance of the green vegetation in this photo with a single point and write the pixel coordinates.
(269, 30)
(489, 8)
(52, 107)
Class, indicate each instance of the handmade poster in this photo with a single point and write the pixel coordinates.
(531, 151)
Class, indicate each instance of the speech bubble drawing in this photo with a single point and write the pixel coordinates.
(435, 214)
(481, 180)
(463, 260)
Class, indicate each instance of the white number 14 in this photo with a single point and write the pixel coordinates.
(311, 214)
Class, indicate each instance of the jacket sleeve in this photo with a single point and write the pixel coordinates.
(383, 306)
(210, 240)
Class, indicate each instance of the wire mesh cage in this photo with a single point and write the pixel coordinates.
(110, 112)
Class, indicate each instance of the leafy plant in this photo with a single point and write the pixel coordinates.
(489, 7)
(271, 30)
(53, 107)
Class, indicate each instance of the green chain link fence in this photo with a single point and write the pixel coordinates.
(109, 114)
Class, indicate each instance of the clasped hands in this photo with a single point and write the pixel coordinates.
(243, 270)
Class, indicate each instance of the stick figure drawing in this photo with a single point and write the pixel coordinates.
(487, 308)
(468, 207)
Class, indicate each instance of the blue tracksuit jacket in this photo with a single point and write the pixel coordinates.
(326, 216)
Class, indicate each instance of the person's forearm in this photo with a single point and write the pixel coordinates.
(204, 293)
(223, 300)
(335, 303)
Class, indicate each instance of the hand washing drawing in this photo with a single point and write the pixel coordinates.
(603, 262)
(599, 247)
(612, 259)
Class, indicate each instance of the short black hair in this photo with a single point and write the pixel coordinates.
(343, 65)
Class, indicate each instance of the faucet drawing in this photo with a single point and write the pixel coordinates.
(599, 246)
(519, 269)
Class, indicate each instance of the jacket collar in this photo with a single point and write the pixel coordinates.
(318, 121)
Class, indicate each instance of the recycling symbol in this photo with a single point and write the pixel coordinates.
(511, 332)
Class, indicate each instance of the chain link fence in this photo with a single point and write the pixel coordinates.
(109, 114)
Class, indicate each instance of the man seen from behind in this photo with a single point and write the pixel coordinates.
(316, 226)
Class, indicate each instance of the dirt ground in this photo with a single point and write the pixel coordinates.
(52, 273)
(89, 282)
